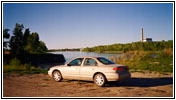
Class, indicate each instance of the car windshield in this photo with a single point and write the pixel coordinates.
(105, 61)
(76, 62)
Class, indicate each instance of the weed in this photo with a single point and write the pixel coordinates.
(44, 71)
(159, 61)
(16, 67)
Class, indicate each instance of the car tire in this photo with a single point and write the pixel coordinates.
(57, 76)
(99, 80)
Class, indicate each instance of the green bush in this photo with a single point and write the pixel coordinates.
(28, 66)
(44, 71)
(16, 67)
(160, 62)
(15, 62)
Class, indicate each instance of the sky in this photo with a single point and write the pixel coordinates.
(80, 25)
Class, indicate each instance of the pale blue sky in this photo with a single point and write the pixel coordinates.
(79, 25)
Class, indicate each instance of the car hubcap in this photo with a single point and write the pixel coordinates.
(99, 80)
(57, 76)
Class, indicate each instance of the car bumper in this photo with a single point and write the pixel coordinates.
(50, 73)
(118, 76)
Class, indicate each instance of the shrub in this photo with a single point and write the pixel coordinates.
(28, 66)
(16, 67)
(15, 62)
(44, 71)
(152, 61)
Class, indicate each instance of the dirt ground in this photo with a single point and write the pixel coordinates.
(41, 85)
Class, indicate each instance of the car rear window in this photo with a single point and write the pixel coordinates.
(90, 62)
(105, 61)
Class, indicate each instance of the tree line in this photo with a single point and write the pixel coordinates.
(144, 46)
(66, 49)
(22, 43)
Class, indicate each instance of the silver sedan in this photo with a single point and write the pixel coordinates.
(97, 69)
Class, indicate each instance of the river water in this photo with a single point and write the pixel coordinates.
(69, 55)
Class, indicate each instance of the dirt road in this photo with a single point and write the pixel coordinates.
(41, 85)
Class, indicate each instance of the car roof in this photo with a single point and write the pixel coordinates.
(89, 57)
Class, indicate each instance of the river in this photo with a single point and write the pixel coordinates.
(69, 55)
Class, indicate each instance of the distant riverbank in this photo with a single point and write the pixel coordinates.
(134, 46)
(55, 50)
(123, 48)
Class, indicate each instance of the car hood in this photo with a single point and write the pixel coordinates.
(58, 66)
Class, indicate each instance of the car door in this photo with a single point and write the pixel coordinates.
(88, 69)
(72, 70)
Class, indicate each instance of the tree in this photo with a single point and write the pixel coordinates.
(34, 45)
(42, 47)
(16, 41)
(26, 36)
(25, 43)
(6, 35)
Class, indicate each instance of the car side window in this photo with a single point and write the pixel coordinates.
(76, 62)
(90, 62)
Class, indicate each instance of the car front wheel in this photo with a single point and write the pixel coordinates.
(99, 80)
(57, 76)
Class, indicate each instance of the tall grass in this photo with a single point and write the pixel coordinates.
(15, 66)
(160, 61)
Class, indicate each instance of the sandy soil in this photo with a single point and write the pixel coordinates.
(41, 85)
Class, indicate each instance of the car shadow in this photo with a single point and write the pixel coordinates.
(143, 82)
(133, 82)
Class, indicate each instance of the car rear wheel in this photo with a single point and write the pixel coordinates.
(99, 80)
(57, 76)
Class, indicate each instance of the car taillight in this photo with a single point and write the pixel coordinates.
(115, 68)
(121, 68)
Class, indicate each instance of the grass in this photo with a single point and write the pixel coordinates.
(16, 67)
(158, 61)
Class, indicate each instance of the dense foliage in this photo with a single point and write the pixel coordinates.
(141, 56)
(142, 46)
(161, 61)
(15, 66)
(22, 43)
(26, 51)
(30, 63)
